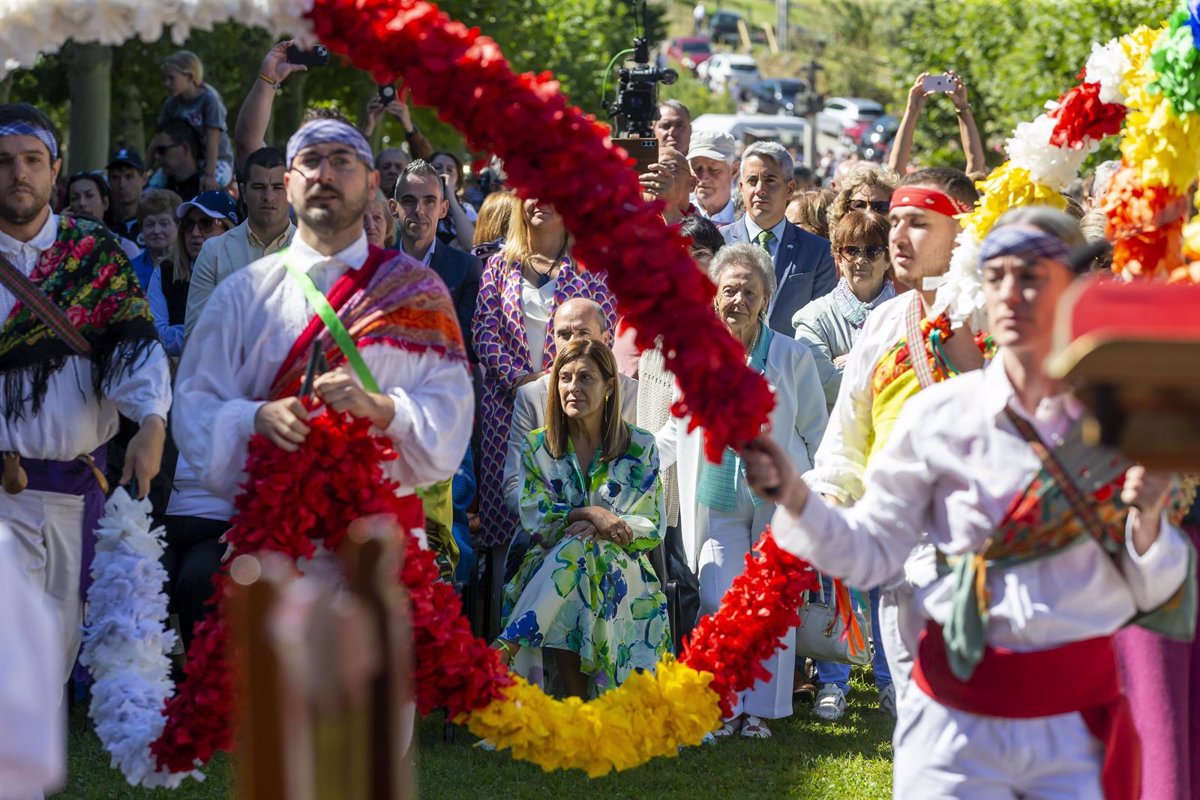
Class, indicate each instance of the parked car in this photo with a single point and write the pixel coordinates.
(848, 116)
(877, 141)
(729, 72)
(776, 96)
(690, 51)
(723, 27)
(747, 128)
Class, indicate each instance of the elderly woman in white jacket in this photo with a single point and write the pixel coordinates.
(720, 517)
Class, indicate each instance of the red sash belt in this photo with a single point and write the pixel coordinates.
(1079, 677)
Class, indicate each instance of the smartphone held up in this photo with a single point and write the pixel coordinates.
(939, 83)
(318, 56)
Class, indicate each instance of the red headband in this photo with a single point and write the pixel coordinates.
(931, 199)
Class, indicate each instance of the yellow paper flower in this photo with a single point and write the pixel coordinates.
(1137, 45)
(1163, 146)
(1007, 187)
(649, 715)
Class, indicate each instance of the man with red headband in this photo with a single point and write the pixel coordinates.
(880, 378)
(382, 322)
(1044, 547)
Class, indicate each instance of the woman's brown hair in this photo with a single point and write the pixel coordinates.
(495, 217)
(864, 226)
(614, 432)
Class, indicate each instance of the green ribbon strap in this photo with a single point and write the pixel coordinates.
(317, 299)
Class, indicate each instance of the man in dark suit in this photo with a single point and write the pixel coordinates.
(803, 262)
(418, 204)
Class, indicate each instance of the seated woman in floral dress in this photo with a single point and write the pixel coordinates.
(592, 503)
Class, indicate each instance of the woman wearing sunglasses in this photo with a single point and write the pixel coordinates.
(830, 324)
(209, 215)
(868, 187)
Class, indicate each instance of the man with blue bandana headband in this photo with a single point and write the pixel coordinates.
(1045, 547)
(246, 361)
(77, 346)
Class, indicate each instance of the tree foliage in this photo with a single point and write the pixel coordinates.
(574, 39)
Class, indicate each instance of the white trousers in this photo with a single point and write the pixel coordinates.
(48, 529)
(943, 753)
(901, 620)
(727, 538)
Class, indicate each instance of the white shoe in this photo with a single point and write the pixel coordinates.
(831, 703)
(887, 699)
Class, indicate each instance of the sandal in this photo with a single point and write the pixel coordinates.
(755, 728)
(729, 728)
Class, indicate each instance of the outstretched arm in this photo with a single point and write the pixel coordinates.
(902, 146)
(250, 130)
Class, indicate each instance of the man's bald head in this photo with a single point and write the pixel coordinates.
(579, 318)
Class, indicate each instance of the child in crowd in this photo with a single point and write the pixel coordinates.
(199, 104)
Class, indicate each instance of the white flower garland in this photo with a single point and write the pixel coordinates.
(126, 641)
(29, 28)
(960, 293)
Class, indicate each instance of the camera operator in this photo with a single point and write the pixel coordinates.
(673, 128)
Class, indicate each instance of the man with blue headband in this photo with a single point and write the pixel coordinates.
(77, 346)
(1045, 547)
(401, 362)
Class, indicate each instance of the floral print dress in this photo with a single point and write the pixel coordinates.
(595, 598)
(502, 346)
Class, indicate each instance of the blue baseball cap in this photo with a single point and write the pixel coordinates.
(215, 204)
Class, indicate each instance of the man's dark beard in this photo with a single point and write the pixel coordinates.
(327, 220)
(14, 217)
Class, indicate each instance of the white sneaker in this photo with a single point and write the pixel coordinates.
(887, 699)
(831, 703)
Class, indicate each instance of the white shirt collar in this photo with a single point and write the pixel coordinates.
(999, 394)
(754, 230)
(722, 217)
(30, 251)
(427, 260)
(305, 257)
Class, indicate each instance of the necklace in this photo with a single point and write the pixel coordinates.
(544, 277)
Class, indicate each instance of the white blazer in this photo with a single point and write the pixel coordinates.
(797, 423)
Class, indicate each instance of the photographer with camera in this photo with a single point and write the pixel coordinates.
(392, 160)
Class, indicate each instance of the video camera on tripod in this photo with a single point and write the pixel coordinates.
(635, 108)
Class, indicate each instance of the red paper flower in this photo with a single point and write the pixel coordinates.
(558, 154)
(759, 608)
(1082, 116)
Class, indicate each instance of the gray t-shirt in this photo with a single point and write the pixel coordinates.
(206, 111)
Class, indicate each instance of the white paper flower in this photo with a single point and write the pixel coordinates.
(29, 28)
(1107, 66)
(1051, 166)
(126, 641)
(961, 295)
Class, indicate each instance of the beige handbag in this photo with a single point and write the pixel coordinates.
(820, 636)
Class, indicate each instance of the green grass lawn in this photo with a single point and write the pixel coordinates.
(847, 760)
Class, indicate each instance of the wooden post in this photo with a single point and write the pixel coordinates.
(89, 85)
(262, 769)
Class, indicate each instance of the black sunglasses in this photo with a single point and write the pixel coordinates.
(878, 206)
(205, 224)
(871, 252)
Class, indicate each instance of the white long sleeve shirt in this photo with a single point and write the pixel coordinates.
(840, 466)
(72, 421)
(246, 330)
(951, 468)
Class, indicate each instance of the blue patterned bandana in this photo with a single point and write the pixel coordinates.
(325, 131)
(1027, 244)
(22, 128)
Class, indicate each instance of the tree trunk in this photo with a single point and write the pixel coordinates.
(89, 72)
(289, 110)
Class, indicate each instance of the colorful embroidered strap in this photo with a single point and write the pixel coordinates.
(329, 317)
(43, 307)
(1083, 509)
(916, 343)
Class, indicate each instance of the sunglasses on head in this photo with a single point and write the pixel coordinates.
(870, 252)
(205, 224)
(878, 206)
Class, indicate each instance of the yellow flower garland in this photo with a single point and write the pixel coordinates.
(1007, 188)
(649, 715)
